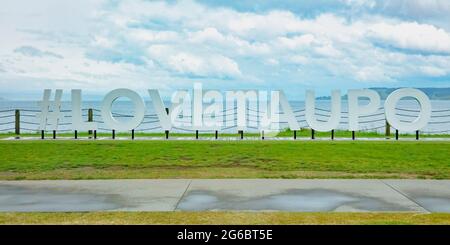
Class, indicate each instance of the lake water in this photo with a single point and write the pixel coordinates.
(407, 110)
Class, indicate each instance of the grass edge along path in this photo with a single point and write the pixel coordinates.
(242, 218)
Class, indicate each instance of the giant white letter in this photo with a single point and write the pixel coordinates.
(213, 117)
(310, 107)
(355, 110)
(77, 120)
(269, 116)
(180, 107)
(160, 109)
(197, 106)
(241, 97)
(47, 117)
(421, 120)
(287, 112)
(109, 119)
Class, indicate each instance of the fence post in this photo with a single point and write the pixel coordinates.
(388, 130)
(90, 118)
(17, 122)
(167, 131)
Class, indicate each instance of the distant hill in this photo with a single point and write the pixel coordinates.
(432, 93)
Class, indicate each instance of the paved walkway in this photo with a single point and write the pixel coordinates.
(230, 194)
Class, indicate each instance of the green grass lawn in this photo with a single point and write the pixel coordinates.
(223, 159)
(213, 218)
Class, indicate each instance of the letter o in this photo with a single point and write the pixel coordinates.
(109, 119)
(425, 109)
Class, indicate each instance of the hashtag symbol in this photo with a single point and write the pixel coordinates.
(47, 116)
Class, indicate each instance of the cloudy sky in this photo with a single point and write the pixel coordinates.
(98, 45)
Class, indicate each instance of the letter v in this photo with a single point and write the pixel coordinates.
(160, 109)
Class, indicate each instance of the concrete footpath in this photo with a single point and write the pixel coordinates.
(231, 194)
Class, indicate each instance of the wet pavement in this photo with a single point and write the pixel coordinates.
(91, 195)
(14, 198)
(231, 194)
(314, 200)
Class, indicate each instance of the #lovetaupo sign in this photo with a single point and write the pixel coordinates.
(205, 108)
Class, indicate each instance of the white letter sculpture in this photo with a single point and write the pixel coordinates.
(47, 117)
(421, 120)
(288, 114)
(333, 121)
(109, 119)
(355, 110)
(77, 120)
(160, 109)
(213, 117)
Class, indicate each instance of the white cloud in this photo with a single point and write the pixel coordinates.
(144, 35)
(296, 42)
(153, 42)
(35, 52)
(433, 71)
(212, 37)
(412, 36)
(104, 42)
(328, 51)
(271, 61)
(208, 34)
(214, 66)
(298, 59)
(361, 3)
(194, 65)
(415, 8)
